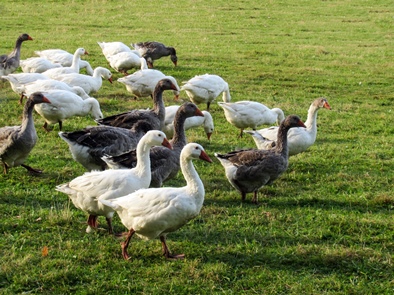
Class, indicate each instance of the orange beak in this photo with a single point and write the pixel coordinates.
(166, 143)
(45, 99)
(204, 156)
(198, 113)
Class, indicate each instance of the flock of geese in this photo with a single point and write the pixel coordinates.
(129, 155)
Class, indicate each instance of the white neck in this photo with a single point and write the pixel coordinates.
(194, 185)
(312, 118)
(75, 62)
(226, 95)
(143, 160)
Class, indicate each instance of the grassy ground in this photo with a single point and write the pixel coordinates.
(325, 227)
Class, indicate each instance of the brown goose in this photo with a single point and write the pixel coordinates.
(88, 145)
(249, 170)
(16, 142)
(164, 162)
(152, 50)
(9, 63)
(154, 116)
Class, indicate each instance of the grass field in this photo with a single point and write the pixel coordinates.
(325, 227)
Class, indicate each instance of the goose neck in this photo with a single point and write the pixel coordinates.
(311, 121)
(281, 144)
(27, 116)
(194, 185)
(179, 137)
(143, 158)
(158, 106)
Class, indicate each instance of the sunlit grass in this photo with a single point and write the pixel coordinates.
(324, 227)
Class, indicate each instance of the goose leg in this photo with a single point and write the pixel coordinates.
(240, 135)
(243, 196)
(45, 126)
(60, 125)
(208, 105)
(31, 170)
(166, 252)
(255, 197)
(110, 228)
(92, 221)
(5, 168)
(126, 243)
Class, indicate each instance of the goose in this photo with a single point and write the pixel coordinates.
(64, 58)
(155, 212)
(154, 116)
(263, 143)
(164, 162)
(16, 142)
(90, 144)
(112, 48)
(85, 191)
(244, 114)
(205, 88)
(73, 68)
(88, 83)
(124, 61)
(143, 82)
(17, 81)
(299, 139)
(66, 104)
(50, 84)
(206, 121)
(9, 63)
(249, 170)
(37, 65)
(153, 50)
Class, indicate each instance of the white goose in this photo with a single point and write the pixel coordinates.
(124, 61)
(17, 81)
(191, 122)
(244, 114)
(64, 58)
(50, 84)
(73, 68)
(88, 83)
(37, 65)
(16, 142)
(299, 139)
(155, 212)
(66, 104)
(85, 191)
(112, 48)
(205, 88)
(143, 82)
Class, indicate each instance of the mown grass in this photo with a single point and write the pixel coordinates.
(324, 227)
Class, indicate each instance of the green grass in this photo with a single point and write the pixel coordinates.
(325, 227)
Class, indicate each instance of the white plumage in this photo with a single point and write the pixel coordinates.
(155, 212)
(73, 68)
(66, 104)
(143, 82)
(191, 122)
(87, 190)
(37, 65)
(88, 83)
(250, 114)
(64, 58)
(205, 88)
(299, 139)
